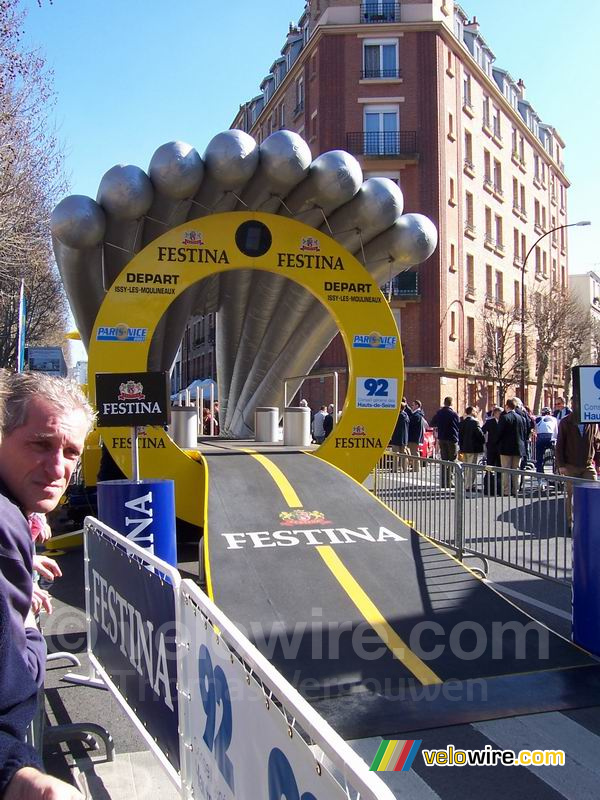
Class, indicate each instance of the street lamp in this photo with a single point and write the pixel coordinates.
(523, 268)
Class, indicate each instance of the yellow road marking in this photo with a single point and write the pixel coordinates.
(284, 486)
(376, 619)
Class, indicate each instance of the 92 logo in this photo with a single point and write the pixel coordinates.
(215, 691)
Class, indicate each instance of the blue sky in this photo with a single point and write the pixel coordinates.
(133, 74)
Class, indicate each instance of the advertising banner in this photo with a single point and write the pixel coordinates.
(586, 387)
(132, 398)
(239, 742)
(144, 512)
(132, 635)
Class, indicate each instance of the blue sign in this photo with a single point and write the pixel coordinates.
(143, 512)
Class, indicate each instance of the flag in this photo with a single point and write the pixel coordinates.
(21, 329)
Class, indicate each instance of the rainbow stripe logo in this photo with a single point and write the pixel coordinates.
(395, 755)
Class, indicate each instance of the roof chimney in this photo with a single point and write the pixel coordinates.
(521, 88)
(472, 25)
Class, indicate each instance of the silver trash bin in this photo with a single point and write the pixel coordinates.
(296, 426)
(184, 426)
(266, 424)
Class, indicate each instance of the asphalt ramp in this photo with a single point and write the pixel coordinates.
(382, 630)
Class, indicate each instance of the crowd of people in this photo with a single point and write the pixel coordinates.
(44, 422)
(509, 437)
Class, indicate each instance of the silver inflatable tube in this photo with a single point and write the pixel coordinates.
(374, 208)
(176, 171)
(125, 193)
(285, 159)
(78, 225)
(230, 160)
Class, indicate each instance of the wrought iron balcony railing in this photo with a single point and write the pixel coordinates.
(384, 143)
(378, 11)
(381, 73)
(406, 284)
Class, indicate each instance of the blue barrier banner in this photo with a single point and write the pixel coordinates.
(133, 636)
(586, 567)
(143, 512)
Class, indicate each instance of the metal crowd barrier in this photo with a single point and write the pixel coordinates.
(514, 517)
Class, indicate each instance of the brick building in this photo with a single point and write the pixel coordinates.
(412, 90)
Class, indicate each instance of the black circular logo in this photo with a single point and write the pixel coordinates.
(253, 238)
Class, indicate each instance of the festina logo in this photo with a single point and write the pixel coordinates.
(309, 261)
(310, 536)
(357, 440)
(132, 407)
(193, 255)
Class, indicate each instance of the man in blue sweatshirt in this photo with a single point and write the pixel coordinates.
(21, 773)
(44, 423)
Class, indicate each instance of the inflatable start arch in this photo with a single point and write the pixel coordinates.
(171, 265)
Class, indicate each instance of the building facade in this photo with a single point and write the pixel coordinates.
(586, 289)
(412, 90)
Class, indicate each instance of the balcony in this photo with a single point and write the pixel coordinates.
(299, 108)
(377, 11)
(374, 74)
(469, 167)
(388, 144)
(404, 286)
(470, 230)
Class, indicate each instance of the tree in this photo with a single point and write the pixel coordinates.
(31, 182)
(575, 341)
(551, 316)
(500, 354)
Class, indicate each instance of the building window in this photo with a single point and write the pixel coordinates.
(282, 116)
(469, 152)
(451, 135)
(452, 265)
(486, 111)
(496, 127)
(471, 335)
(517, 302)
(487, 170)
(470, 277)
(515, 194)
(469, 224)
(488, 281)
(467, 91)
(499, 287)
(313, 125)
(523, 204)
(489, 239)
(380, 58)
(299, 96)
(499, 236)
(497, 177)
(453, 325)
(451, 192)
(381, 129)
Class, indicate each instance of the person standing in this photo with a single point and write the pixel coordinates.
(447, 422)
(417, 425)
(492, 478)
(562, 410)
(328, 421)
(471, 441)
(318, 425)
(576, 446)
(546, 429)
(44, 424)
(399, 440)
(512, 436)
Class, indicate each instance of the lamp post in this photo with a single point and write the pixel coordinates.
(523, 268)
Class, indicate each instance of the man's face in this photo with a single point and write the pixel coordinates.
(38, 458)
